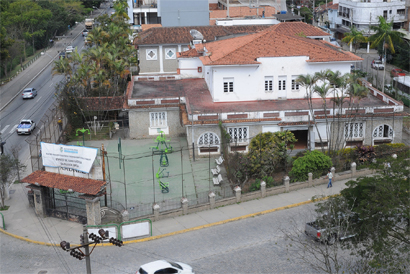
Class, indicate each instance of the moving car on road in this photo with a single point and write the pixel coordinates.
(377, 64)
(85, 32)
(26, 126)
(29, 93)
(163, 266)
(69, 49)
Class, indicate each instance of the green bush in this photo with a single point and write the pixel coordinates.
(315, 162)
(270, 182)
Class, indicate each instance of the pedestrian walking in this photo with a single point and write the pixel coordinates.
(330, 176)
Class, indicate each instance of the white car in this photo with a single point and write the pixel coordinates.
(162, 266)
(377, 64)
(69, 49)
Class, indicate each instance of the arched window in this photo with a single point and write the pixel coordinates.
(208, 142)
(383, 134)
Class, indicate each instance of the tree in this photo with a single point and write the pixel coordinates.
(9, 166)
(386, 36)
(382, 204)
(354, 37)
(5, 43)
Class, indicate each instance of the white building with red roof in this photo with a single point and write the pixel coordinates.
(248, 83)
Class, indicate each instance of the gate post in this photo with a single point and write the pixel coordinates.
(156, 207)
(39, 200)
(212, 199)
(184, 202)
(93, 210)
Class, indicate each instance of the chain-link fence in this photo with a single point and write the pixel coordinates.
(50, 129)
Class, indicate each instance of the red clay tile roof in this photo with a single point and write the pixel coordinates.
(188, 53)
(65, 182)
(241, 12)
(271, 43)
(299, 29)
(102, 103)
(181, 35)
(145, 27)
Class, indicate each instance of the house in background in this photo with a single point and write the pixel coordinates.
(248, 83)
(158, 47)
(179, 13)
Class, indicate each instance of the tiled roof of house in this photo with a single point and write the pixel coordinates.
(181, 35)
(65, 182)
(145, 27)
(102, 103)
(241, 12)
(328, 6)
(188, 53)
(272, 42)
(299, 29)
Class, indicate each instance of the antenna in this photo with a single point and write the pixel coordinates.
(196, 34)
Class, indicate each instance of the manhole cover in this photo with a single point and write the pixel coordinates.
(42, 272)
(12, 191)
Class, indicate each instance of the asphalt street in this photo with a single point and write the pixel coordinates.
(253, 245)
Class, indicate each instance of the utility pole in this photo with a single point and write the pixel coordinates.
(76, 252)
(87, 250)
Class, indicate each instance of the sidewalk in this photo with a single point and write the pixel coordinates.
(22, 222)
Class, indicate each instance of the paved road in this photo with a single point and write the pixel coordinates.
(254, 245)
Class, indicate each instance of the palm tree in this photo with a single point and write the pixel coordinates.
(386, 35)
(354, 37)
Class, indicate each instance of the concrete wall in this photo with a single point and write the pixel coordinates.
(162, 64)
(140, 123)
(178, 13)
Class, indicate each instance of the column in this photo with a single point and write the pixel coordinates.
(184, 202)
(333, 171)
(353, 169)
(238, 193)
(310, 180)
(93, 211)
(156, 212)
(212, 199)
(39, 201)
(263, 189)
(286, 183)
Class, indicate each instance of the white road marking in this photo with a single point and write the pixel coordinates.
(38, 100)
(4, 129)
(13, 129)
(51, 84)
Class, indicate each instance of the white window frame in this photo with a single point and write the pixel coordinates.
(355, 131)
(282, 83)
(173, 50)
(158, 119)
(208, 139)
(268, 83)
(228, 85)
(378, 132)
(295, 84)
(148, 57)
(241, 132)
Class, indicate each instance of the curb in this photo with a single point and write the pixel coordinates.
(180, 231)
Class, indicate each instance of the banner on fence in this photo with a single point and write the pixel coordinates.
(68, 157)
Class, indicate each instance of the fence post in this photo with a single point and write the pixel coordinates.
(125, 216)
(212, 199)
(310, 180)
(184, 202)
(286, 183)
(238, 193)
(263, 189)
(353, 169)
(333, 171)
(156, 212)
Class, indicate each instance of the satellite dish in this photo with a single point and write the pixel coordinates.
(196, 34)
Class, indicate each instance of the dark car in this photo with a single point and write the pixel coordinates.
(61, 55)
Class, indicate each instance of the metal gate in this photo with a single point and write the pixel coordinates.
(66, 205)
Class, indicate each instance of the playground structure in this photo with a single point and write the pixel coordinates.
(164, 186)
(162, 148)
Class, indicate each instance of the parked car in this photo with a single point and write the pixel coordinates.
(61, 55)
(377, 64)
(111, 5)
(26, 127)
(69, 49)
(328, 229)
(29, 93)
(163, 266)
(397, 72)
